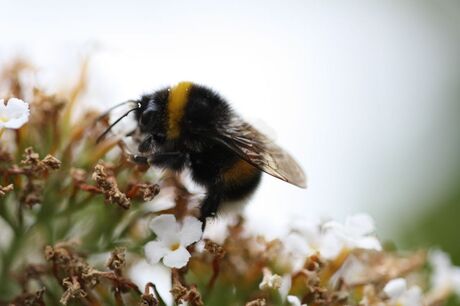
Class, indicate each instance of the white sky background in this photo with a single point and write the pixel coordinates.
(360, 92)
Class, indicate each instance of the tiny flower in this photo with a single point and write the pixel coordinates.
(398, 293)
(172, 240)
(294, 301)
(270, 280)
(395, 288)
(445, 275)
(356, 232)
(352, 271)
(309, 238)
(14, 114)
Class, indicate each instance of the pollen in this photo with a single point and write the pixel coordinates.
(174, 246)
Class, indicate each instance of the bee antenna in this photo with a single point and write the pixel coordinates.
(107, 112)
(116, 121)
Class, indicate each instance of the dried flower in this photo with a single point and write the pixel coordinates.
(14, 114)
(117, 260)
(182, 293)
(172, 240)
(109, 187)
(214, 248)
(147, 298)
(257, 302)
(149, 191)
(73, 290)
(270, 280)
(5, 189)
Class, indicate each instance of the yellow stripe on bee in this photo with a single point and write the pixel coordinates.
(240, 171)
(177, 100)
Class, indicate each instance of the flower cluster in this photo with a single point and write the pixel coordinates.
(58, 232)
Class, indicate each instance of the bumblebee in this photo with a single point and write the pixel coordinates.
(189, 125)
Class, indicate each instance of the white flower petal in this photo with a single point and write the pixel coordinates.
(331, 246)
(412, 297)
(395, 288)
(351, 272)
(155, 250)
(445, 276)
(293, 300)
(177, 258)
(164, 226)
(14, 114)
(370, 243)
(191, 231)
(286, 283)
(16, 123)
(333, 226)
(456, 280)
(360, 225)
(16, 108)
(2, 108)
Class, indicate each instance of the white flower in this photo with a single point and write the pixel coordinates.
(309, 238)
(445, 275)
(352, 271)
(14, 114)
(395, 288)
(356, 232)
(172, 240)
(295, 301)
(398, 293)
(270, 280)
(331, 238)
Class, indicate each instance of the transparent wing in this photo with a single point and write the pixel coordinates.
(260, 151)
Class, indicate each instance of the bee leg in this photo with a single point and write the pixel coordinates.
(210, 204)
(138, 159)
(171, 160)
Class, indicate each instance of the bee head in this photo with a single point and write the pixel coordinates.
(151, 119)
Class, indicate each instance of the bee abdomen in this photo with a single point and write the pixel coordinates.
(240, 180)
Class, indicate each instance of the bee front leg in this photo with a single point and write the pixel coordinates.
(139, 159)
(171, 160)
(210, 204)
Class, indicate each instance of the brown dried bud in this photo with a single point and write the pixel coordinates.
(149, 191)
(51, 162)
(257, 302)
(181, 293)
(214, 248)
(148, 299)
(73, 290)
(32, 193)
(49, 253)
(117, 260)
(109, 187)
(35, 167)
(31, 158)
(5, 189)
(193, 297)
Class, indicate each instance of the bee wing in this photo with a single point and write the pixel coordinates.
(260, 151)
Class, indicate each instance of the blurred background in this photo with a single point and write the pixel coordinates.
(365, 94)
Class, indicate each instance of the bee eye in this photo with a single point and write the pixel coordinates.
(147, 116)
